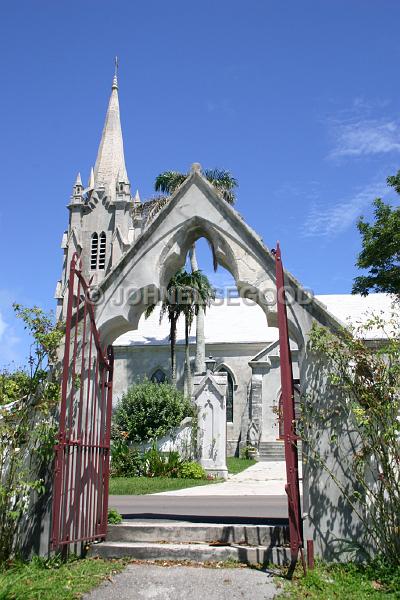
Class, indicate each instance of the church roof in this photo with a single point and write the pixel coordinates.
(356, 310)
(242, 321)
(110, 163)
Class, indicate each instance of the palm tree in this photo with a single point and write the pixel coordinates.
(196, 294)
(170, 308)
(167, 183)
(187, 293)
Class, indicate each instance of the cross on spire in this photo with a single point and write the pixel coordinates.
(115, 80)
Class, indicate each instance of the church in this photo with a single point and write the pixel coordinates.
(106, 220)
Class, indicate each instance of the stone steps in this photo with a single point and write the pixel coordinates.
(177, 540)
(176, 532)
(278, 555)
(273, 451)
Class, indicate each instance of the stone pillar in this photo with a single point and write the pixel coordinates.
(257, 406)
(209, 395)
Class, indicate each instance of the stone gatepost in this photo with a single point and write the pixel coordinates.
(209, 395)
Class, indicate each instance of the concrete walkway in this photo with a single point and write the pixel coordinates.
(261, 479)
(151, 582)
(202, 509)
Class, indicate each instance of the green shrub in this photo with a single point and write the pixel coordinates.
(149, 411)
(129, 462)
(14, 385)
(247, 452)
(159, 464)
(114, 516)
(125, 461)
(192, 470)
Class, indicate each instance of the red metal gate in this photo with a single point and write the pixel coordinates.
(80, 500)
(289, 418)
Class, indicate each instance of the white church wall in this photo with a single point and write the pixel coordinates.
(236, 357)
(133, 363)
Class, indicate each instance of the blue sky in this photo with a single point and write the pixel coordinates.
(299, 100)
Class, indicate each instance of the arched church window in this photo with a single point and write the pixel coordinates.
(158, 376)
(296, 408)
(102, 251)
(94, 251)
(229, 395)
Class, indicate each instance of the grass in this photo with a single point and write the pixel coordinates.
(236, 465)
(48, 579)
(139, 486)
(344, 582)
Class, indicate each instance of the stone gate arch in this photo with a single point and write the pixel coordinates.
(197, 210)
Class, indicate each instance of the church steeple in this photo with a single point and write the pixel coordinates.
(100, 224)
(110, 163)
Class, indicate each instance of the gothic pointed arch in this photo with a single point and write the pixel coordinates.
(223, 366)
(158, 375)
(230, 391)
(197, 210)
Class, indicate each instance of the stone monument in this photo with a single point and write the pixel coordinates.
(209, 395)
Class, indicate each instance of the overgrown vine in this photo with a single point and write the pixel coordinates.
(28, 397)
(367, 379)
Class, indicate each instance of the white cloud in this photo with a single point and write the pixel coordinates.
(364, 137)
(330, 221)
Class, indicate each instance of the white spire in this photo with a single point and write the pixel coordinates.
(110, 162)
(91, 180)
(78, 180)
(137, 197)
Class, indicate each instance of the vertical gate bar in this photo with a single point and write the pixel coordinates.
(85, 512)
(78, 473)
(60, 447)
(106, 472)
(91, 443)
(310, 554)
(102, 437)
(102, 443)
(85, 431)
(70, 474)
(100, 449)
(95, 450)
(290, 436)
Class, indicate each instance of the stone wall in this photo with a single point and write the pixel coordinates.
(135, 362)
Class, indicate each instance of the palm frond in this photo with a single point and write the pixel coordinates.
(149, 310)
(156, 207)
(224, 182)
(169, 181)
